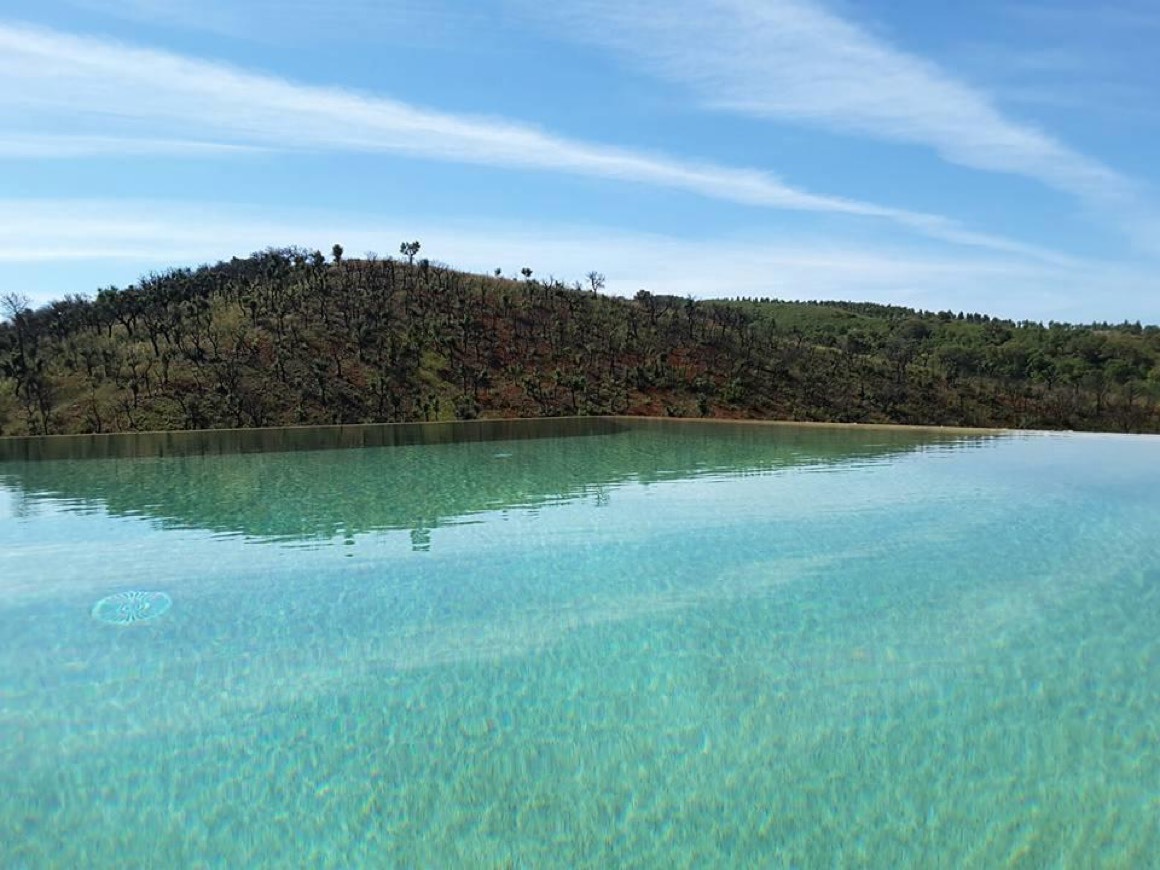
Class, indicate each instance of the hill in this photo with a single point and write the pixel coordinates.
(287, 337)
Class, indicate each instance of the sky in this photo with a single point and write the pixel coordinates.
(997, 156)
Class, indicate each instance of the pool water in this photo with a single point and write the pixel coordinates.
(622, 643)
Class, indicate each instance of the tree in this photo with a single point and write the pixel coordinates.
(336, 251)
(12, 305)
(527, 273)
(595, 281)
(409, 250)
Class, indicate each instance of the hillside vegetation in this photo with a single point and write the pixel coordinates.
(289, 337)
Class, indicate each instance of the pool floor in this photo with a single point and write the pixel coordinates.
(664, 646)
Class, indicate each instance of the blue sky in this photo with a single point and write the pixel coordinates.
(991, 156)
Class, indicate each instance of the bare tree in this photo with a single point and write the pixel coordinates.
(12, 305)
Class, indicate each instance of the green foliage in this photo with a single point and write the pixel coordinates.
(288, 337)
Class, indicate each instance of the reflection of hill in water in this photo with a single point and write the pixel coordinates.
(298, 484)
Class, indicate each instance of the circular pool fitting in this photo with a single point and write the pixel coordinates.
(126, 608)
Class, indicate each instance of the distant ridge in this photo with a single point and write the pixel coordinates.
(287, 336)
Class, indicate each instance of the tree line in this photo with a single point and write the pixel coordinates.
(289, 336)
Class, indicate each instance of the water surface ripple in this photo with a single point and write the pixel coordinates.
(632, 644)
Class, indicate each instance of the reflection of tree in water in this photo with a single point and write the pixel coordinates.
(294, 485)
(421, 540)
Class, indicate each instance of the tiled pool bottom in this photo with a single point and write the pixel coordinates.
(659, 647)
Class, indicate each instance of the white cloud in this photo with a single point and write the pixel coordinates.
(58, 147)
(793, 60)
(78, 84)
(115, 241)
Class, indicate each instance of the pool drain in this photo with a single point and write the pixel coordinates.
(126, 608)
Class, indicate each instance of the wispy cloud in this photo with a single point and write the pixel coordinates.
(1096, 62)
(794, 60)
(48, 146)
(93, 92)
(114, 241)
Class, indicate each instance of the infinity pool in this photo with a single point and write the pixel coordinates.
(580, 643)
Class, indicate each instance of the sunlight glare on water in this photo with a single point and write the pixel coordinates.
(633, 643)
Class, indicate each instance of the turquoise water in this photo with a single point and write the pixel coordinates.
(627, 644)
